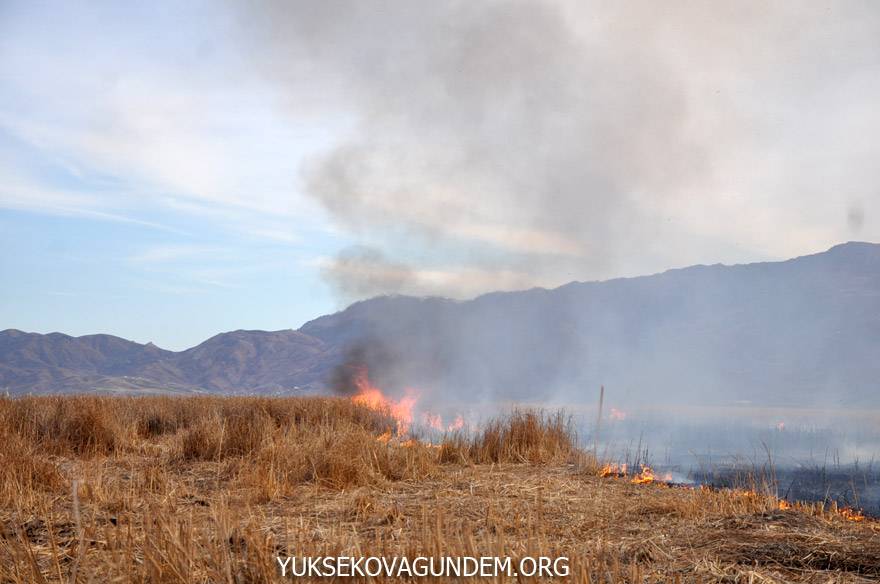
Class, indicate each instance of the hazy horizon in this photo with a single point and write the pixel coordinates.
(343, 308)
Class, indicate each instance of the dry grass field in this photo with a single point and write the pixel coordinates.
(156, 489)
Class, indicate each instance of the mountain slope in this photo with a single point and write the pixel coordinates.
(239, 361)
(804, 330)
(256, 361)
(34, 362)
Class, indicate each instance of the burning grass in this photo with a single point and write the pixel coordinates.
(206, 489)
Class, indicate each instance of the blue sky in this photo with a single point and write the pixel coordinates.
(173, 170)
(144, 195)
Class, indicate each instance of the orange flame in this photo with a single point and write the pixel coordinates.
(852, 514)
(617, 415)
(784, 505)
(457, 424)
(644, 477)
(613, 470)
(372, 397)
(433, 421)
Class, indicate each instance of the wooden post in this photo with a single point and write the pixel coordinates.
(598, 423)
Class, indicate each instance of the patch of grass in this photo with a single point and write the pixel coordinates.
(210, 489)
(524, 436)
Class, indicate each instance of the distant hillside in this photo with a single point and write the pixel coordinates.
(57, 362)
(251, 361)
(803, 331)
(239, 361)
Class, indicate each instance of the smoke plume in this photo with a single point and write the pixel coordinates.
(362, 272)
(504, 143)
(577, 140)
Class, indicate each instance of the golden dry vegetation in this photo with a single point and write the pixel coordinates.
(209, 489)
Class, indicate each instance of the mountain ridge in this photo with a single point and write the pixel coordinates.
(806, 328)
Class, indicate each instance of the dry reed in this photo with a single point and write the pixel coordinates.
(209, 489)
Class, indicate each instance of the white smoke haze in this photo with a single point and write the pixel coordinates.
(580, 140)
(509, 144)
(359, 272)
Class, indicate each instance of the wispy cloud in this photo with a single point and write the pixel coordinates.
(206, 140)
(172, 253)
(25, 194)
